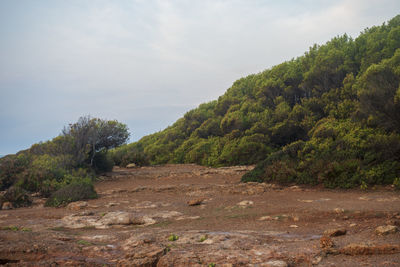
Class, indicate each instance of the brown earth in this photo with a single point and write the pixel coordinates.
(143, 218)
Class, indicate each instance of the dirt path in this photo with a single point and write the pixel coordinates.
(142, 218)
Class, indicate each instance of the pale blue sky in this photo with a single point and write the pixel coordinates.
(145, 63)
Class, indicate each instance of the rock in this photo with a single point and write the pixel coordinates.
(245, 203)
(39, 201)
(293, 226)
(131, 165)
(78, 205)
(305, 200)
(106, 221)
(295, 188)
(265, 218)
(7, 206)
(393, 222)
(338, 210)
(276, 263)
(187, 218)
(147, 255)
(195, 202)
(167, 214)
(335, 232)
(386, 229)
(120, 218)
(368, 249)
(316, 260)
(326, 242)
(111, 204)
(353, 224)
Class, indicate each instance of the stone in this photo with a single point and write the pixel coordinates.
(111, 204)
(7, 206)
(167, 214)
(131, 165)
(276, 263)
(265, 218)
(245, 203)
(338, 210)
(393, 222)
(386, 229)
(120, 218)
(305, 200)
(316, 260)
(335, 232)
(108, 220)
(78, 205)
(195, 202)
(293, 226)
(326, 242)
(369, 249)
(295, 188)
(148, 255)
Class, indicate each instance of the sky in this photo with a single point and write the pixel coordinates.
(146, 63)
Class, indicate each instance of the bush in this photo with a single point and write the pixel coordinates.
(17, 196)
(11, 167)
(103, 162)
(71, 193)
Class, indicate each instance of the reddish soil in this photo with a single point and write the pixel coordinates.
(234, 224)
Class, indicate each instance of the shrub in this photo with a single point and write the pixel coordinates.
(102, 162)
(70, 193)
(17, 196)
(396, 183)
(173, 237)
(11, 167)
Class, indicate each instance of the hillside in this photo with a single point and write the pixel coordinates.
(331, 116)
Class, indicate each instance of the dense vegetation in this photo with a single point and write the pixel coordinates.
(69, 161)
(331, 116)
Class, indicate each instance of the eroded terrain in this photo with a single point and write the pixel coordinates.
(187, 215)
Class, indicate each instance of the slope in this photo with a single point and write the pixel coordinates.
(331, 116)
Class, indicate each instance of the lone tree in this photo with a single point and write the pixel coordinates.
(93, 135)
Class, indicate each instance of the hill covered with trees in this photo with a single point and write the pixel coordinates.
(331, 116)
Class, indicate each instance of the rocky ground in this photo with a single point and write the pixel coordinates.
(187, 215)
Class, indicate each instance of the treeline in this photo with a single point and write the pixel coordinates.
(67, 164)
(331, 116)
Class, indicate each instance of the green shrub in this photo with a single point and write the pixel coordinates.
(173, 237)
(103, 162)
(70, 193)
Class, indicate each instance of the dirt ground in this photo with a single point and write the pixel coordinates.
(142, 218)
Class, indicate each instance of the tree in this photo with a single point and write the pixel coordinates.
(92, 135)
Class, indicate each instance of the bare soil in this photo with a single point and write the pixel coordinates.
(232, 224)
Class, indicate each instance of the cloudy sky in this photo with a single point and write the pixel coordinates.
(145, 63)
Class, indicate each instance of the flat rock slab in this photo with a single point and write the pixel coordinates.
(386, 229)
